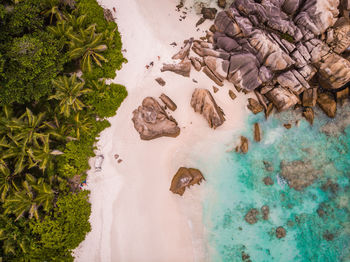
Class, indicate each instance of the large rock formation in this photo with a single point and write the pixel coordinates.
(281, 49)
(151, 121)
(203, 102)
(185, 177)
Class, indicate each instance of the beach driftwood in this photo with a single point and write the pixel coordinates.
(185, 177)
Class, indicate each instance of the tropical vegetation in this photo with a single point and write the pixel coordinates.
(55, 57)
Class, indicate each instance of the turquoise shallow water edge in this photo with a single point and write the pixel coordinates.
(234, 185)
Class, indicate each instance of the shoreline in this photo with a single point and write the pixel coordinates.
(131, 201)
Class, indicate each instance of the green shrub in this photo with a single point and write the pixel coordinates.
(32, 61)
(57, 235)
(106, 102)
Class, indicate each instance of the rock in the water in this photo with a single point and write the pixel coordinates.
(251, 216)
(151, 121)
(310, 97)
(342, 95)
(309, 115)
(299, 174)
(331, 186)
(232, 94)
(327, 103)
(287, 126)
(254, 106)
(160, 81)
(183, 68)
(328, 236)
(268, 166)
(257, 132)
(222, 3)
(280, 232)
(268, 181)
(168, 102)
(203, 102)
(265, 210)
(269, 110)
(183, 53)
(244, 147)
(185, 177)
(209, 13)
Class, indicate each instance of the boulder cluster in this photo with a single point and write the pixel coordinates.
(288, 52)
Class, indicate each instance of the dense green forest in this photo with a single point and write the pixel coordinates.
(54, 58)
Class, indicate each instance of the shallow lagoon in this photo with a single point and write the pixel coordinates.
(234, 185)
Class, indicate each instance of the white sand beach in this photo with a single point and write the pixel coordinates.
(135, 217)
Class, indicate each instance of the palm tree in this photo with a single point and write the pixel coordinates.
(32, 195)
(53, 11)
(77, 22)
(68, 91)
(22, 201)
(82, 125)
(44, 194)
(87, 47)
(5, 180)
(61, 31)
(29, 128)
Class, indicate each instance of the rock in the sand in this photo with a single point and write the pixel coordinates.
(168, 102)
(209, 13)
(282, 98)
(215, 89)
(160, 81)
(327, 103)
(244, 147)
(222, 3)
(254, 106)
(280, 232)
(251, 216)
(183, 53)
(196, 63)
(257, 132)
(299, 174)
(214, 69)
(232, 94)
(309, 115)
(203, 102)
(183, 68)
(185, 177)
(151, 121)
(268, 181)
(265, 210)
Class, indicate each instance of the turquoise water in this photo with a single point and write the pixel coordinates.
(234, 185)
